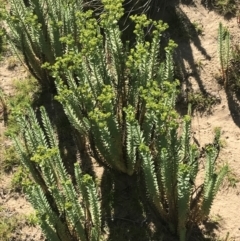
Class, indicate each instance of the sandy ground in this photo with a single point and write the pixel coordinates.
(202, 49)
(227, 204)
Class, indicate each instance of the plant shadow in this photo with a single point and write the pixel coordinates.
(205, 232)
(233, 99)
(127, 213)
(185, 34)
(122, 208)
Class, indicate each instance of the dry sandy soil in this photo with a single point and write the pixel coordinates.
(224, 115)
(200, 59)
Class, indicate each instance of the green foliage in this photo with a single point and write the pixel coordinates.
(50, 189)
(232, 179)
(2, 33)
(20, 177)
(11, 224)
(32, 219)
(123, 102)
(170, 167)
(3, 104)
(8, 224)
(198, 27)
(229, 55)
(234, 66)
(25, 92)
(12, 62)
(5, 230)
(202, 102)
(35, 32)
(224, 7)
(10, 159)
(224, 51)
(1, 40)
(102, 98)
(41, 31)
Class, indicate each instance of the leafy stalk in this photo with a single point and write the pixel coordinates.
(53, 194)
(224, 51)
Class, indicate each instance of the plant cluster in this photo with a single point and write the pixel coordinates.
(223, 7)
(108, 104)
(121, 102)
(11, 224)
(202, 102)
(61, 213)
(198, 27)
(10, 159)
(8, 225)
(36, 29)
(224, 52)
(234, 66)
(25, 93)
(229, 56)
